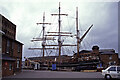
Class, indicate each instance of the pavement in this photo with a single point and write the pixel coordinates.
(55, 74)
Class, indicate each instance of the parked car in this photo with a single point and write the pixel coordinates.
(111, 72)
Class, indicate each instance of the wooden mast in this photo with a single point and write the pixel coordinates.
(60, 34)
(77, 32)
(43, 36)
(79, 40)
(59, 30)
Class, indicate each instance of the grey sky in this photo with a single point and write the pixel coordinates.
(103, 15)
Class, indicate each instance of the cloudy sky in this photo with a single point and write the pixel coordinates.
(25, 14)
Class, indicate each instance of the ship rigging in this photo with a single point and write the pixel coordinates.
(60, 34)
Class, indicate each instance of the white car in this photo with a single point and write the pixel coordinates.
(111, 72)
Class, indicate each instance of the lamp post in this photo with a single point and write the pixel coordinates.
(1, 32)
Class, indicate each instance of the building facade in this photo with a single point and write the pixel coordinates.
(109, 57)
(11, 49)
(88, 55)
(106, 57)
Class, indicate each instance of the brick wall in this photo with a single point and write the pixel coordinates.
(5, 68)
(12, 51)
(9, 28)
(108, 58)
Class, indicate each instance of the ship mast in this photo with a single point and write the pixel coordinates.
(59, 30)
(43, 39)
(77, 31)
(79, 40)
(60, 33)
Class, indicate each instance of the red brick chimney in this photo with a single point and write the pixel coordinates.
(95, 50)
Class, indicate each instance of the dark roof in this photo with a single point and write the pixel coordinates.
(7, 20)
(85, 51)
(19, 42)
(101, 51)
(6, 57)
(111, 50)
(107, 51)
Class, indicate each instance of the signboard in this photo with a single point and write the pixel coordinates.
(53, 66)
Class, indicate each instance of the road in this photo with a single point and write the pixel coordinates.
(55, 74)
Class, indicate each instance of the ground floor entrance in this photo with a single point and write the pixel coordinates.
(7, 68)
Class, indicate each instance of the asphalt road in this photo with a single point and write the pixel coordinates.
(55, 74)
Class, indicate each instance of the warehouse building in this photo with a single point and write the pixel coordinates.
(106, 57)
(11, 49)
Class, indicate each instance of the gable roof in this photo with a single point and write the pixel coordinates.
(107, 51)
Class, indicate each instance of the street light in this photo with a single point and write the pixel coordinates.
(2, 32)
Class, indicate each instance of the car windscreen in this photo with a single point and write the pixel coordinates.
(118, 68)
(112, 69)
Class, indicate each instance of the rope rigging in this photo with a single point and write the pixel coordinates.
(62, 39)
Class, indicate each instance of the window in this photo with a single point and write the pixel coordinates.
(55, 59)
(118, 68)
(111, 63)
(18, 62)
(110, 57)
(88, 54)
(97, 57)
(114, 62)
(10, 66)
(112, 69)
(12, 48)
(18, 48)
(8, 46)
(26, 63)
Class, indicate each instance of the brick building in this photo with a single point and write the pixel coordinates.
(119, 60)
(11, 49)
(109, 57)
(86, 55)
(106, 57)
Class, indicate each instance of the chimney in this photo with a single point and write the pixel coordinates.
(95, 49)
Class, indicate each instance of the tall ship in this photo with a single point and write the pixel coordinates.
(60, 61)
